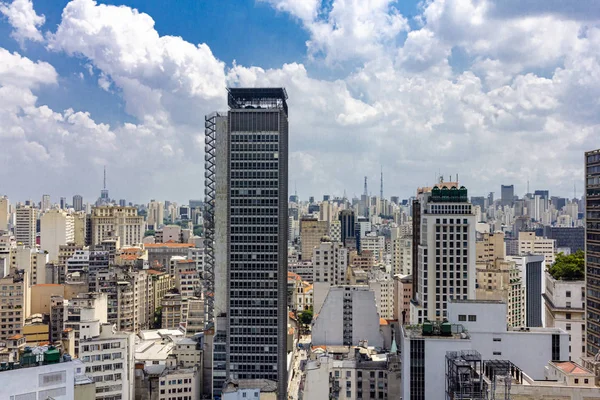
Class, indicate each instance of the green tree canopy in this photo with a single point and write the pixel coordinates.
(569, 268)
(306, 317)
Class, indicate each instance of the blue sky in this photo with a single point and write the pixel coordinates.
(455, 86)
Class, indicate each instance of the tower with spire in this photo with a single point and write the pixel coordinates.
(104, 198)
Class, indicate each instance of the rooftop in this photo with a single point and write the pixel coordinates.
(264, 385)
(570, 367)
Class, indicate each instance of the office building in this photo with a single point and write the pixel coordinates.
(507, 195)
(110, 221)
(45, 204)
(531, 268)
(57, 227)
(330, 264)
(446, 251)
(592, 250)
(529, 243)
(572, 238)
(26, 225)
(401, 252)
(346, 219)
(247, 171)
(156, 214)
(311, 233)
(78, 203)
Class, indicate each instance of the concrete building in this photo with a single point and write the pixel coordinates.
(160, 254)
(446, 252)
(31, 260)
(335, 231)
(25, 225)
(337, 323)
(564, 303)
(311, 233)
(403, 294)
(347, 223)
(401, 252)
(329, 262)
(46, 375)
(490, 247)
(110, 221)
(81, 235)
(592, 250)
(41, 296)
(382, 285)
(15, 300)
(57, 227)
(507, 195)
(84, 314)
(156, 214)
(241, 389)
(78, 203)
(529, 243)
(4, 213)
(373, 243)
(502, 280)
(108, 360)
(351, 373)
(531, 268)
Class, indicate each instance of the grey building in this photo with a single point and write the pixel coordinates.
(507, 195)
(592, 250)
(78, 202)
(247, 191)
(573, 238)
(347, 222)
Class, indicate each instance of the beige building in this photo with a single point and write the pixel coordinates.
(490, 248)
(41, 296)
(80, 228)
(15, 300)
(403, 294)
(4, 213)
(25, 226)
(108, 221)
(502, 280)
(529, 243)
(401, 252)
(35, 330)
(56, 228)
(31, 260)
(311, 233)
(156, 214)
(162, 283)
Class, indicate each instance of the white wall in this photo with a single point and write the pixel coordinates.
(27, 381)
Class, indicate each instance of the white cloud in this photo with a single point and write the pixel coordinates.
(24, 20)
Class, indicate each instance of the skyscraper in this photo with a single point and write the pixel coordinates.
(78, 202)
(45, 204)
(347, 220)
(507, 194)
(592, 250)
(247, 227)
(25, 227)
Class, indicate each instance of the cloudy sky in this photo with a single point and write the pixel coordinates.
(498, 91)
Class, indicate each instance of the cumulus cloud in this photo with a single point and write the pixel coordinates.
(496, 95)
(24, 20)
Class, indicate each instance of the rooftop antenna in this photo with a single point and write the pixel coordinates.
(366, 191)
(527, 185)
(295, 189)
(574, 190)
(105, 177)
(381, 190)
(456, 179)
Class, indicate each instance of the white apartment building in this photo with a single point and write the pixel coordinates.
(373, 243)
(25, 226)
(57, 227)
(180, 384)
(382, 285)
(401, 252)
(564, 303)
(4, 213)
(31, 260)
(347, 317)
(329, 265)
(79, 262)
(188, 283)
(85, 314)
(108, 359)
(123, 222)
(446, 267)
(335, 231)
(529, 243)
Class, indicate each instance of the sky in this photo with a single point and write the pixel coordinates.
(496, 91)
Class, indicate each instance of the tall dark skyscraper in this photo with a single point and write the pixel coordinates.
(78, 202)
(247, 233)
(592, 250)
(347, 224)
(507, 194)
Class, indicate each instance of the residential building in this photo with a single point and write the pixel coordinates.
(110, 221)
(564, 303)
(25, 225)
(83, 314)
(311, 233)
(78, 203)
(529, 243)
(15, 300)
(108, 360)
(335, 231)
(249, 143)
(403, 294)
(373, 243)
(446, 251)
(382, 285)
(4, 213)
(401, 252)
(57, 227)
(329, 264)
(81, 221)
(490, 248)
(241, 389)
(180, 383)
(348, 316)
(156, 214)
(160, 254)
(531, 270)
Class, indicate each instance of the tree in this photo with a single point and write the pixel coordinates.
(157, 323)
(568, 267)
(306, 317)
(149, 232)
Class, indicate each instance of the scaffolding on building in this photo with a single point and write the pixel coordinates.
(464, 376)
(501, 373)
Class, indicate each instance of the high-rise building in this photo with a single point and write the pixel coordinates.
(123, 222)
(247, 190)
(156, 214)
(531, 269)
(78, 202)
(4, 212)
(592, 250)
(57, 227)
(26, 224)
(529, 243)
(446, 251)
(507, 195)
(45, 204)
(347, 220)
(15, 289)
(63, 203)
(311, 233)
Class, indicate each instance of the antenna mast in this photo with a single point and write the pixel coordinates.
(381, 190)
(105, 177)
(366, 191)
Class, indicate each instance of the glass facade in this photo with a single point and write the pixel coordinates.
(592, 250)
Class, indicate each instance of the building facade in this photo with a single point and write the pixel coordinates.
(592, 250)
(25, 226)
(110, 221)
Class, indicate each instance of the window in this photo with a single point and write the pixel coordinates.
(586, 381)
(568, 327)
(497, 339)
(568, 316)
(568, 293)
(462, 318)
(497, 353)
(472, 318)
(576, 381)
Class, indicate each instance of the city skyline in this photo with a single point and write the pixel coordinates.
(424, 86)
